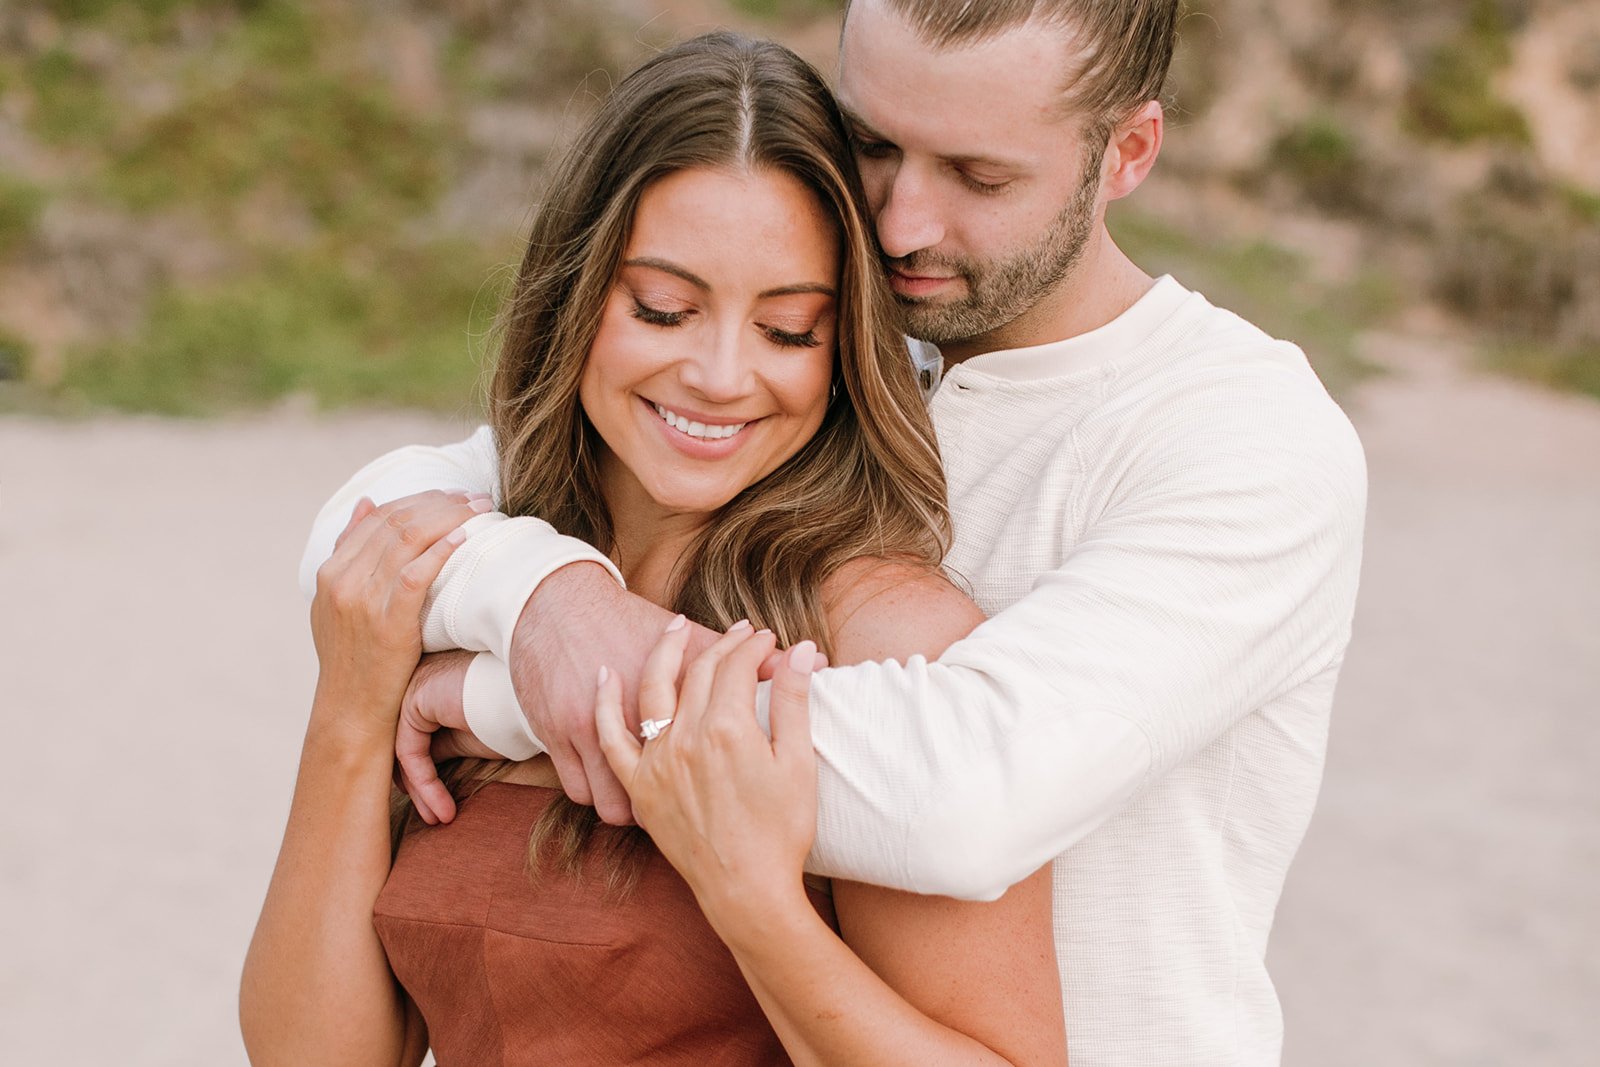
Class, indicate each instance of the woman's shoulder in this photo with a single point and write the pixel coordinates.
(885, 608)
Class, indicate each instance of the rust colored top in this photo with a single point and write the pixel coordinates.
(509, 972)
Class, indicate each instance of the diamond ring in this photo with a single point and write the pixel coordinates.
(651, 729)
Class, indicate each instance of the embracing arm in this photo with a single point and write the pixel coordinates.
(1218, 575)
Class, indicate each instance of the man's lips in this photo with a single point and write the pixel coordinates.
(917, 284)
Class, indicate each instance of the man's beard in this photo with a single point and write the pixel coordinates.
(999, 292)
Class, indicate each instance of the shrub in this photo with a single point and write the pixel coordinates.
(1453, 98)
(1325, 162)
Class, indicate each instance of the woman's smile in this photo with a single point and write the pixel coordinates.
(715, 352)
(703, 429)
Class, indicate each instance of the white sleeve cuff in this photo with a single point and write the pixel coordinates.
(493, 714)
(476, 600)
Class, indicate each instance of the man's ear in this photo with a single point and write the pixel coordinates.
(1132, 151)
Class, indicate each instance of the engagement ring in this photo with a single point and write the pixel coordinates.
(651, 729)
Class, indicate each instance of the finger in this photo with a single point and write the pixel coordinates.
(363, 508)
(413, 748)
(658, 679)
(572, 773)
(770, 665)
(621, 749)
(790, 705)
(416, 577)
(611, 800)
(696, 689)
(733, 690)
(413, 530)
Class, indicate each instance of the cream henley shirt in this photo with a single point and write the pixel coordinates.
(1163, 519)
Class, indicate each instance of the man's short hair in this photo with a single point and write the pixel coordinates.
(1122, 49)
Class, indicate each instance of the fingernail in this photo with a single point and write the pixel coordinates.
(456, 536)
(803, 657)
(481, 504)
(604, 674)
(742, 624)
(676, 623)
(763, 631)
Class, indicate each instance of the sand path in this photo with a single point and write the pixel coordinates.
(155, 670)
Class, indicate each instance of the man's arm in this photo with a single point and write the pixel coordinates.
(1221, 575)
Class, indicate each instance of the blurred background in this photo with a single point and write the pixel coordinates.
(245, 245)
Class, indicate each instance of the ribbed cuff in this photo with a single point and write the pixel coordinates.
(493, 714)
(479, 596)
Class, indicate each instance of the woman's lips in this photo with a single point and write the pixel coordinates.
(701, 438)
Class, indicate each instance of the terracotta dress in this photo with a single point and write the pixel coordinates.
(508, 972)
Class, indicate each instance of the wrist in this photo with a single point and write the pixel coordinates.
(752, 919)
(351, 727)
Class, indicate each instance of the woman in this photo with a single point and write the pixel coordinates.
(700, 375)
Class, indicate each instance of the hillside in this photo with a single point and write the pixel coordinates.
(208, 204)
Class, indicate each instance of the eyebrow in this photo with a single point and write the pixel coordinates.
(700, 283)
(866, 129)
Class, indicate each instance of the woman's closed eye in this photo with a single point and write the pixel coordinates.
(786, 339)
(657, 316)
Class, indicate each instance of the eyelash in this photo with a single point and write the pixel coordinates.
(657, 317)
(981, 188)
(883, 149)
(669, 319)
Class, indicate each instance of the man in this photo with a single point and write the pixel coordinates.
(1157, 504)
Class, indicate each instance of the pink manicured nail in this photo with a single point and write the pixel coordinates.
(676, 623)
(803, 657)
(604, 674)
(481, 504)
(456, 536)
(742, 624)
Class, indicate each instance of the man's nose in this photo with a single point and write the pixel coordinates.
(909, 218)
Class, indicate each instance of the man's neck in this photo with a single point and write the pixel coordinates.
(1104, 285)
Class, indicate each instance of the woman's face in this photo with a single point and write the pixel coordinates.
(716, 346)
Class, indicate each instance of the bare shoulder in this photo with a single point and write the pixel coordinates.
(882, 609)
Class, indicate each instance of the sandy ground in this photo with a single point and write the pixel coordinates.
(155, 671)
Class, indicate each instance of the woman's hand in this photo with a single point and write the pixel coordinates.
(734, 812)
(366, 616)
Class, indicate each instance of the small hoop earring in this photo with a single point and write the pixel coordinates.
(833, 392)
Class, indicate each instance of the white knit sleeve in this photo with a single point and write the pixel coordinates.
(479, 595)
(1218, 573)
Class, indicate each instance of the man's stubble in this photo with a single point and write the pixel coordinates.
(999, 292)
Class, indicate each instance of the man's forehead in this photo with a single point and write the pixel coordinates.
(968, 98)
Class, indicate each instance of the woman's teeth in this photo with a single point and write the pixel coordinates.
(697, 429)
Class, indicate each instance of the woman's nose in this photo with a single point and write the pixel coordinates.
(720, 373)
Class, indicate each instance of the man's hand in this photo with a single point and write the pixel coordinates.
(577, 620)
(433, 726)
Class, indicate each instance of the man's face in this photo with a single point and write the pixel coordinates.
(985, 196)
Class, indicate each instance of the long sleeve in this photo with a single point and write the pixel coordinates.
(476, 600)
(1218, 575)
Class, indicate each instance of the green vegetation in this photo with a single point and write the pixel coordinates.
(20, 205)
(13, 357)
(1575, 367)
(403, 325)
(1453, 98)
(1273, 288)
(69, 102)
(1326, 162)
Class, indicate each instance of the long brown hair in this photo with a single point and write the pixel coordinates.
(869, 483)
